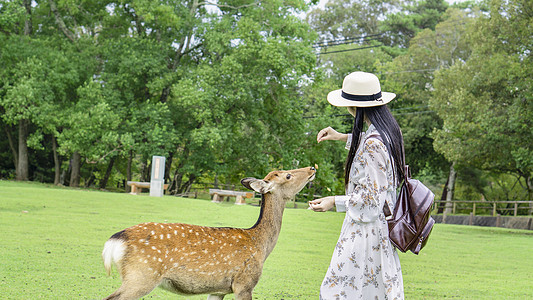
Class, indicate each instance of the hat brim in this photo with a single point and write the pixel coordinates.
(335, 98)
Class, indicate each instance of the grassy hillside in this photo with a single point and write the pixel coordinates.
(52, 238)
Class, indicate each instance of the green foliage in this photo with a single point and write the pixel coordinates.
(233, 88)
(486, 103)
(400, 27)
(50, 232)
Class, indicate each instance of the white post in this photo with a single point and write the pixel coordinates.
(158, 176)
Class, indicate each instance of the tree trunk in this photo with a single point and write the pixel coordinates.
(28, 26)
(103, 183)
(145, 171)
(440, 208)
(11, 145)
(75, 173)
(450, 190)
(187, 185)
(57, 162)
(90, 181)
(128, 172)
(168, 165)
(22, 169)
(529, 184)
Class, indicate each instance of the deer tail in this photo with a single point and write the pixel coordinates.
(113, 253)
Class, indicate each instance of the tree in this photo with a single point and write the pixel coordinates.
(238, 112)
(349, 19)
(487, 111)
(400, 27)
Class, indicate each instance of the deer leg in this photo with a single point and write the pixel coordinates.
(242, 288)
(134, 286)
(243, 295)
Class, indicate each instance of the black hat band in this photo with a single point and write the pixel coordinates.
(361, 97)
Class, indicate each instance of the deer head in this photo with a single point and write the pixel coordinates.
(284, 184)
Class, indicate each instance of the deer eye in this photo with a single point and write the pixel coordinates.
(289, 176)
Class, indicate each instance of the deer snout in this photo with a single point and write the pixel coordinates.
(313, 172)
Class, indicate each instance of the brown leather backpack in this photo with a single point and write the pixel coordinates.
(410, 223)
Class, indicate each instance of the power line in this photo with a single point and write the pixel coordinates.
(346, 50)
(347, 40)
(345, 43)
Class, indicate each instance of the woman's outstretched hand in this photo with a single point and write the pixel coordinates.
(329, 133)
(322, 204)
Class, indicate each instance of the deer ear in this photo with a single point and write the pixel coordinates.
(257, 185)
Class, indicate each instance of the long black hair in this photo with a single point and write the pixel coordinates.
(389, 130)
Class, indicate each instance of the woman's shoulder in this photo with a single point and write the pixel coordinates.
(373, 144)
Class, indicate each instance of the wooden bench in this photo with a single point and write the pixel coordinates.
(136, 186)
(239, 196)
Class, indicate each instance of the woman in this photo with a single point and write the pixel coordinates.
(364, 264)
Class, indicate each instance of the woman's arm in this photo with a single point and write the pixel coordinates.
(371, 190)
(329, 133)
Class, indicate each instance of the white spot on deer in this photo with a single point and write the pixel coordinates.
(190, 230)
(162, 226)
(141, 241)
(154, 248)
(145, 261)
(175, 265)
(160, 260)
(152, 232)
(197, 234)
(154, 258)
(168, 235)
(158, 251)
(161, 236)
(142, 250)
(175, 232)
(183, 235)
(171, 259)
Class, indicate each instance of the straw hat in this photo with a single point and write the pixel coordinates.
(360, 89)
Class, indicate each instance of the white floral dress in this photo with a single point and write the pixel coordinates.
(364, 264)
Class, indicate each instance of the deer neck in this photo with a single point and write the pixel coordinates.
(266, 231)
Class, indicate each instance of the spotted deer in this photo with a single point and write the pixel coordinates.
(190, 259)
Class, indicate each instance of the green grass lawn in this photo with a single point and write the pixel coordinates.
(52, 238)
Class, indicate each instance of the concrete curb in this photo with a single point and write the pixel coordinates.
(498, 221)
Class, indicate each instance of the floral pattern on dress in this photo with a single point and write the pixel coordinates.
(364, 264)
